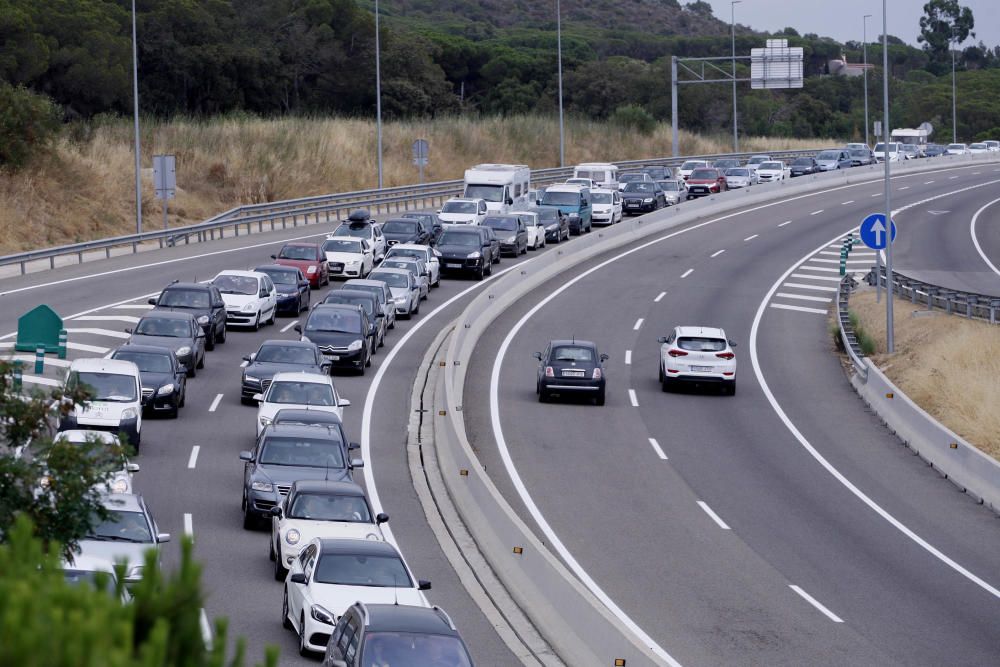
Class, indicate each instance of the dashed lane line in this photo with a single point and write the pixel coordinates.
(751, 238)
(628, 357)
(638, 324)
(816, 212)
(193, 459)
(289, 326)
(815, 288)
(659, 297)
(215, 403)
(786, 222)
(717, 253)
(98, 332)
(83, 347)
(656, 448)
(815, 603)
(632, 398)
(687, 273)
(188, 525)
(715, 517)
(845, 203)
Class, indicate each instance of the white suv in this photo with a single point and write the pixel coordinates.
(115, 398)
(459, 211)
(697, 355)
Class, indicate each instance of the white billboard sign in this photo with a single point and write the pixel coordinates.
(776, 66)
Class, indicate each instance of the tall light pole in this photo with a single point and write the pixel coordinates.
(732, 25)
(135, 113)
(378, 96)
(954, 99)
(889, 342)
(562, 129)
(864, 22)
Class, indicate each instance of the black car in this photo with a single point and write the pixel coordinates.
(163, 377)
(202, 300)
(278, 356)
(802, 166)
(556, 224)
(431, 222)
(491, 236)
(287, 453)
(570, 367)
(405, 230)
(934, 150)
(511, 233)
(658, 172)
(642, 197)
(177, 331)
(408, 633)
(293, 289)
(342, 333)
(465, 249)
(368, 301)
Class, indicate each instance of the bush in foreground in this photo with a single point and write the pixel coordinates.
(28, 123)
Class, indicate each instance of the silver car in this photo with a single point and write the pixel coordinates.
(740, 177)
(414, 265)
(126, 535)
(404, 289)
(381, 292)
(674, 190)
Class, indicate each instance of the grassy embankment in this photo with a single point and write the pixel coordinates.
(84, 189)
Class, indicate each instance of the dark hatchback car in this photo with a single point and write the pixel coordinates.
(642, 197)
(163, 378)
(342, 333)
(368, 301)
(861, 157)
(803, 166)
(430, 221)
(204, 301)
(405, 230)
(571, 367)
(278, 356)
(934, 150)
(177, 331)
(293, 289)
(288, 453)
(467, 250)
(510, 232)
(556, 224)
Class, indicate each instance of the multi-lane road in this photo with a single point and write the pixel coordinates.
(784, 525)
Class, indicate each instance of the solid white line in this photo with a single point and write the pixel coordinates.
(628, 357)
(687, 273)
(715, 517)
(786, 222)
(801, 309)
(717, 253)
(657, 449)
(188, 526)
(638, 324)
(98, 332)
(135, 306)
(193, 459)
(215, 403)
(632, 398)
(35, 379)
(659, 297)
(809, 277)
(289, 325)
(845, 203)
(975, 241)
(976, 173)
(816, 288)
(816, 212)
(803, 297)
(824, 269)
(751, 238)
(81, 347)
(814, 602)
(107, 318)
(829, 252)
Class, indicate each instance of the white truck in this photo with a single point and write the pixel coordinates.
(503, 186)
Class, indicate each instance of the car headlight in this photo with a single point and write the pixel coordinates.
(165, 390)
(129, 413)
(353, 262)
(261, 486)
(354, 346)
(203, 319)
(399, 299)
(250, 378)
(311, 269)
(292, 536)
(265, 421)
(249, 308)
(474, 255)
(647, 200)
(510, 239)
(183, 351)
(120, 485)
(322, 615)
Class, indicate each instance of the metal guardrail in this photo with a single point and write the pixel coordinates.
(848, 337)
(970, 304)
(317, 209)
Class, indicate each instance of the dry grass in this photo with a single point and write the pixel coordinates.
(84, 189)
(948, 365)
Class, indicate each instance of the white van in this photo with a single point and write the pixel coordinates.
(116, 398)
(893, 152)
(501, 185)
(603, 174)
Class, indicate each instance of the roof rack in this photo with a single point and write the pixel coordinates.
(444, 615)
(364, 612)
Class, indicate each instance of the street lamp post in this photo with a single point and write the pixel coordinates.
(378, 95)
(864, 22)
(562, 129)
(135, 113)
(890, 293)
(954, 99)
(732, 25)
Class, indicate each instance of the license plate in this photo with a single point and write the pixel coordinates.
(451, 265)
(333, 357)
(630, 205)
(702, 369)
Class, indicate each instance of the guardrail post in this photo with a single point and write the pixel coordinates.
(18, 374)
(970, 304)
(236, 229)
(39, 360)
(135, 248)
(23, 270)
(947, 294)
(107, 252)
(52, 262)
(913, 293)
(994, 304)
(931, 293)
(295, 220)
(63, 336)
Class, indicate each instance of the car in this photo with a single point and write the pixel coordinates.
(381, 292)
(958, 149)
(739, 177)
(607, 206)
(633, 177)
(431, 222)
(674, 191)
(768, 172)
(510, 232)
(348, 257)
(757, 160)
(831, 160)
(602, 174)
(308, 258)
(556, 224)
(251, 298)
(934, 150)
(705, 181)
(459, 211)
(162, 376)
(178, 332)
(405, 230)
(571, 367)
(368, 301)
(658, 172)
(330, 575)
(573, 201)
(115, 398)
(465, 250)
(978, 148)
(491, 237)
(404, 288)
(360, 226)
(536, 230)
(125, 536)
(310, 391)
(860, 157)
(992, 146)
(292, 290)
(427, 254)
(201, 300)
(320, 508)
(107, 455)
(690, 165)
(379, 634)
(642, 197)
(856, 146)
(697, 355)
(911, 151)
(278, 356)
(725, 163)
(289, 453)
(414, 265)
(894, 154)
(97, 572)
(343, 333)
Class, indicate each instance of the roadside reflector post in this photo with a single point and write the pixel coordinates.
(63, 335)
(18, 374)
(843, 268)
(39, 360)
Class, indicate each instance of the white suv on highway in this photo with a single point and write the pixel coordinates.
(697, 355)
(459, 211)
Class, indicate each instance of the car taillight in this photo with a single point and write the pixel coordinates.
(597, 374)
(677, 353)
(725, 355)
(549, 373)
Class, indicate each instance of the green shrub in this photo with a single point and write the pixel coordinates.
(633, 117)
(993, 134)
(28, 123)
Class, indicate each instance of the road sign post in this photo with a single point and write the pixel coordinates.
(421, 155)
(165, 180)
(876, 236)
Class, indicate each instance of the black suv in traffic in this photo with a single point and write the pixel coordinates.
(202, 300)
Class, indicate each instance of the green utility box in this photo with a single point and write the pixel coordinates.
(37, 328)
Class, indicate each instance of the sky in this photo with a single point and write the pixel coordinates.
(842, 19)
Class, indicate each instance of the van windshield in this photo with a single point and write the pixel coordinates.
(492, 193)
(111, 387)
(598, 176)
(561, 198)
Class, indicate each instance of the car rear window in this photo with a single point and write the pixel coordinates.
(297, 252)
(572, 353)
(701, 344)
(184, 298)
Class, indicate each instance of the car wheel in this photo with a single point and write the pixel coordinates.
(138, 441)
(543, 396)
(416, 308)
(303, 651)
(201, 362)
(368, 362)
(191, 372)
(489, 269)
(731, 389)
(183, 396)
(221, 339)
(393, 324)
(666, 384)
(286, 623)
(274, 315)
(210, 341)
(248, 520)
(256, 322)
(600, 398)
(480, 273)
(279, 570)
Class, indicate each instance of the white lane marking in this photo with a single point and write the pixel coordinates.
(816, 212)
(976, 173)
(206, 629)
(687, 273)
(628, 357)
(952, 178)
(289, 326)
(786, 222)
(810, 277)
(928, 182)
(804, 297)
(30, 359)
(107, 318)
(845, 203)
(751, 238)
(858, 493)
(188, 525)
(244, 363)
(823, 269)
(715, 517)
(659, 297)
(193, 459)
(98, 332)
(35, 379)
(801, 309)
(814, 602)
(878, 194)
(717, 253)
(82, 347)
(135, 306)
(656, 448)
(632, 398)
(829, 252)
(905, 187)
(638, 324)
(215, 403)
(975, 241)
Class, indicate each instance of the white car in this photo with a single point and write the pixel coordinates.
(740, 177)
(116, 398)
(895, 155)
(957, 149)
(606, 206)
(459, 211)
(404, 288)
(306, 391)
(536, 230)
(685, 169)
(330, 575)
(768, 172)
(105, 456)
(348, 257)
(320, 509)
(755, 161)
(80, 569)
(250, 296)
(992, 146)
(427, 254)
(697, 355)
(978, 148)
(363, 229)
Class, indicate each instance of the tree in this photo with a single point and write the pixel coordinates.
(28, 122)
(943, 22)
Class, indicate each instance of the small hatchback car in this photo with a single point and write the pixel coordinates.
(570, 367)
(697, 355)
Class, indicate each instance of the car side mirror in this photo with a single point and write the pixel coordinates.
(128, 330)
(162, 537)
(326, 366)
(297, 328)
(661, 339)
(354, 445)
(276, 511)
(258, 397)
(732, 343)
(509, 201)
(357, 463)
(537, 355)
(303, 283)
(604, 357)
(152, 301)
(274, 257)
(381, 518)
(343, 403)
(246, 455)
(247, 357)
(200, 334)
(423, 585)
(337, 662)
(298, 578)
(132, 467)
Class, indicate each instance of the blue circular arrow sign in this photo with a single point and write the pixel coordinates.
(873, 231)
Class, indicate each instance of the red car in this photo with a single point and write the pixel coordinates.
(705, 181)
(309, 258)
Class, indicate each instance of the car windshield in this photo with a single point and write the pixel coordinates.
(880, 148)
(365, 302)
(738, 172)
(598, 175)
(803, 161)
(303, 452)
(297, 252)
(392, 279)
(301, 393)
(691, 165)
(643, 187)
(356, 231)
(426, 217)
(406, 252)
(828, 155)
(121, 526)
(147, 362)
(459, 207)
(338, 320)
(400, 227)
(184, 298)
(286, 354)
(457, 238)
(110, 387)
(699, 344)
(342, 245)
(162, 326)
(362, 570)
(707, 174)
(956, 146)
(327, 507)
(725, 164)
(546, 215)
(413, 650)
(492, 193)
(552, 198)
(374, 290)
(601, 197)
(101, 454)
(572, 353)
(771, 166)
(504, 224)
(280, 276)
(399, 263)
(976, 146)
(236, 284)
(671, 186)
